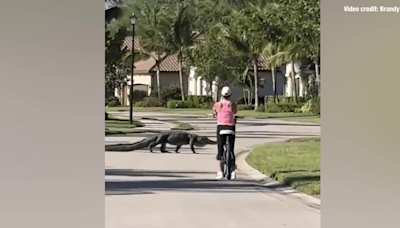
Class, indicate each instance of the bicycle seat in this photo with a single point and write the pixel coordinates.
(227, 132)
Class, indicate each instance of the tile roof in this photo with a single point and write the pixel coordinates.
(170, 63)
(128, 43)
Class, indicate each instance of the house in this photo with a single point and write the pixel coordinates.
(197, 86)
(145, 78)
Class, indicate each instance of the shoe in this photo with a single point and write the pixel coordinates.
(220, 175)
(233, 175)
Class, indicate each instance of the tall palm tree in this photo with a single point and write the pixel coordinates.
(149, 21)
(178, 34)
(249, 34)
(270, 50)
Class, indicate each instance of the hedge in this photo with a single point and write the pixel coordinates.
(171, 104)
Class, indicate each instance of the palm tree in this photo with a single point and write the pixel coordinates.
(249, 34)
(150, 45)
(178, 34)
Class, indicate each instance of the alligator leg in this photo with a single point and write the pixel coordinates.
(162, 148)
(177, 148)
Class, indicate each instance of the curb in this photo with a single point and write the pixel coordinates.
(266, 181)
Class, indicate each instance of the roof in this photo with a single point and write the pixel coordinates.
(170, 63)
(128, 43)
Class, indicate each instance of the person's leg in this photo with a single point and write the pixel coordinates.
(231, 139)
(220, 144)
(232, 142)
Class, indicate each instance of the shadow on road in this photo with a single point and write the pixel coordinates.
(179, 185)
(148, 173)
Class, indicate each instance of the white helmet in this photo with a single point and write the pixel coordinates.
(226, 91)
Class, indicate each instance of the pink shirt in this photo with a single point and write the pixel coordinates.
(225, 115)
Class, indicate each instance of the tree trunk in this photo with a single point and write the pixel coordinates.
(274, 83)
(249, 97)
(181, 80)
(294, 88)
(255, 84)
(158, 81)
(317, 77)
(244, 96)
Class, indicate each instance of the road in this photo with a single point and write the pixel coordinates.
(146, 190)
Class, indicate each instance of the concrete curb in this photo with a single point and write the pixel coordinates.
(266, 181)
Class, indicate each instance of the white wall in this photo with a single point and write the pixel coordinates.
(237, 92)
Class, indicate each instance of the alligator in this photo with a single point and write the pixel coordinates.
(177, 138)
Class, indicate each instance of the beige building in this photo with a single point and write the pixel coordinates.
(197, 86)
(145, 77)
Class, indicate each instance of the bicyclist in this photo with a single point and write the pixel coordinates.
(225, 111)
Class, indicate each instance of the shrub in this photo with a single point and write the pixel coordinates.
(177, 104)
(112, 101)
(306, 108)
(253, 101)
(289, 107)
(240, 101)
(285, 107)
(297, 110)
(138, 95)
(281, 99)
(312, 106)
(272, 108)
(260, 108)
(198, 101)
(316, 106)
(151, 102)
(172, 92)
(138, 104)
(245, 107)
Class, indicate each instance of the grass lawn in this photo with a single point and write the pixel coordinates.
(182, 126)
(295, 163)
(191, 111)
(121, 127)
(288, 116)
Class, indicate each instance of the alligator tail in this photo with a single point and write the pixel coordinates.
(133, 146)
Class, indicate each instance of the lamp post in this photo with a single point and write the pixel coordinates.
(133, 22)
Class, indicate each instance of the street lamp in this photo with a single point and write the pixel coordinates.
(133, 22)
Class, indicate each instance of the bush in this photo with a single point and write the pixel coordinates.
(177, 104)
(112, 101)
(245, 107)
(260, 108)
(253, 101)
(138, 95)
(316, 106)
(272, 108)
(288, 107)
(172, 92)
(312, 106)
(240, 101)
(281, 99)
(199, 101)
(307, 107)
(150, 102)
(297, 110)
(138, 104)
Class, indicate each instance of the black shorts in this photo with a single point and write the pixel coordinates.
(221, 139)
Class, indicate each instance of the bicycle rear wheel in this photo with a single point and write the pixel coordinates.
(228, 159)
